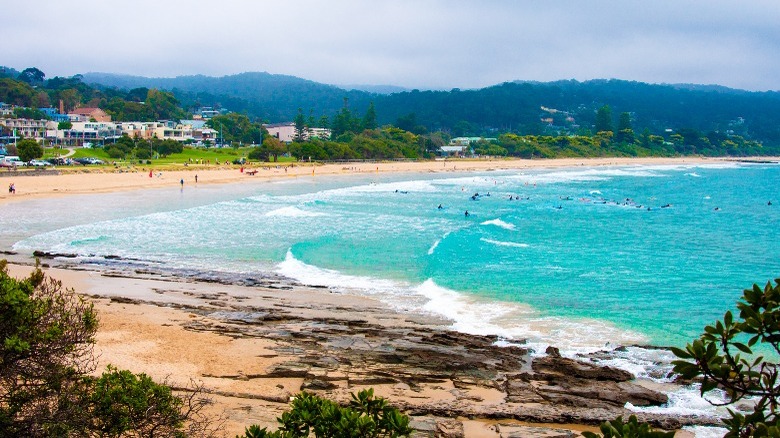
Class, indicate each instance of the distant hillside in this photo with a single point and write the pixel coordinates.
(523, 107)
(272, 97)
(376, 89)
(518, 107)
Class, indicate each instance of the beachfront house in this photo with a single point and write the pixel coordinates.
(27, 128)
(454, 151)
(82, 132)
(286, 132)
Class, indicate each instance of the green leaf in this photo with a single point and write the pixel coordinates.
(743, 348)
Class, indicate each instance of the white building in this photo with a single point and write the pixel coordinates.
(286, 132)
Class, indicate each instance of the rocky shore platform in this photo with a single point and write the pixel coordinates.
(256, 342)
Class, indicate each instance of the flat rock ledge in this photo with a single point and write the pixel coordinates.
(439, 377)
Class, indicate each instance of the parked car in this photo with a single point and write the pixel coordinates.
(11, 161)
(88, 160)
(38, 163)
(59, 161)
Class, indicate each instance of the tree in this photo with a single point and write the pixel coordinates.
(41, 100)
(32, 76)
(369, 119)
(47, 336)
(234, 127)
(167, 147)
(164, 105)
(300, 127)
(16, 92)
(365, 417)
(604, 119)
(717, 358)
(343, 122)
(29, 150)
(29, 113)
(120, 403)
(70, 98)
(625, 133)
(64, 126)
(274, 146)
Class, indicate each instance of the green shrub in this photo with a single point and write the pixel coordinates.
(630, 429)
(723, 358)
(365, 417)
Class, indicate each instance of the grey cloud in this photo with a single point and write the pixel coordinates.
(423, 44)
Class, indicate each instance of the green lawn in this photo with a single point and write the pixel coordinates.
(189, 156)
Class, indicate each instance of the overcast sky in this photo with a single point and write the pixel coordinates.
(416, 44)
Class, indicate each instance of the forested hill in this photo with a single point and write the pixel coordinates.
(522, 107)
(271, 97)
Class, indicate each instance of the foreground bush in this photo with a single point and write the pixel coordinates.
(47, 336)
(630, 429)
(717, 358)
(365, 417)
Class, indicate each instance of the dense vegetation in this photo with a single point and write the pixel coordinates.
(515, 107)
(47, 389)
(528, 120)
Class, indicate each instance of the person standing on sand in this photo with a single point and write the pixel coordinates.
(196, 178)
(181, 182)
(11, 188)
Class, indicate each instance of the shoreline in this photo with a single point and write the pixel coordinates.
(181, 328)
(100, 180)
(256, 346)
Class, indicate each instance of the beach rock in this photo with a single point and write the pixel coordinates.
(317, 385)
(429, 372)
(518, 431)
(449, 428)
(551, 366)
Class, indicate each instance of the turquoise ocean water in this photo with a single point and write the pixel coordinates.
(580, 258)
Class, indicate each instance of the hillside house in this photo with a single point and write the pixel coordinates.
(86, 114)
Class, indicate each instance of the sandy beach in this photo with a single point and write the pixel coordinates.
(75, 180)
(255, 347)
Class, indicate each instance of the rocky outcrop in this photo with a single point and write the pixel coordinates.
(334, 348)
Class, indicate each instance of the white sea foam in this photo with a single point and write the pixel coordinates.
(685, 401)
(499, 223)
(503, 243)
(512, 321)
(315, 276)
(437, 242)
(417, 186)
(599, 174)
(467, 315)
(293, 212)
(706, 432)
(693, 174)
